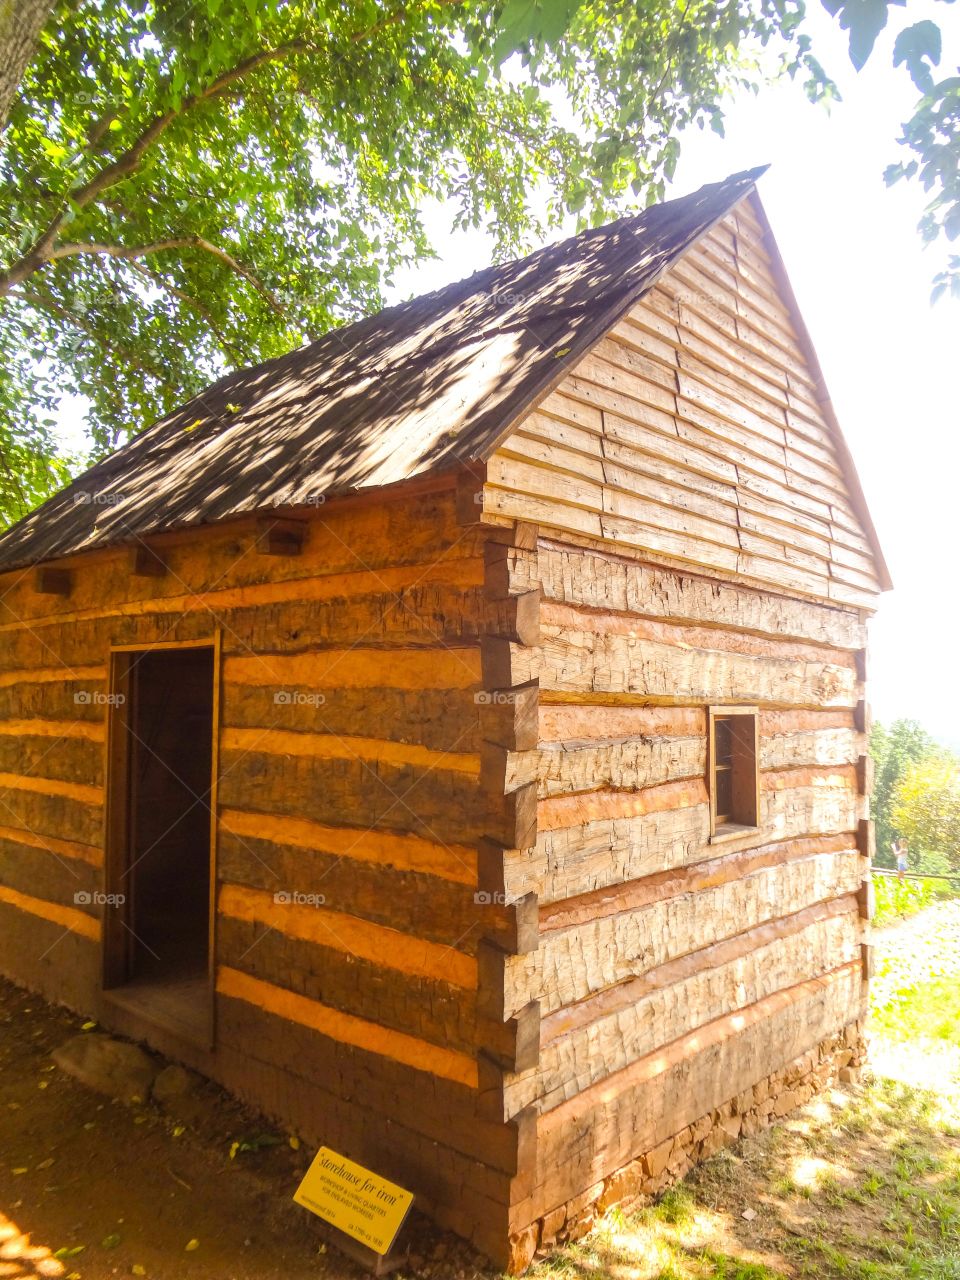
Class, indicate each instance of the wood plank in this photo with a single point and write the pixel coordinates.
(599, 580)
(345, 1028)
(342, 931)
(586, 957)
(429, 1009)
(656, 660)
(604, 1128)
(382, 849)
(605, 1034)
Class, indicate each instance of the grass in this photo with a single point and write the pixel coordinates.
(863, 1184)
(922, 1012)
(897, 900)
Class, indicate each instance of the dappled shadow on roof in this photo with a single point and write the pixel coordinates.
(423, 386)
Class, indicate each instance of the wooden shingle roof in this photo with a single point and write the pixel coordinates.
(420, 387)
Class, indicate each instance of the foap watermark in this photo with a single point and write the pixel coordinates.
(106, 498)
(298, 698)
(309, 500)
(97, 899)
(495, 697)
(294, 898)
(96, 698)
(508, 297)
(485, 899)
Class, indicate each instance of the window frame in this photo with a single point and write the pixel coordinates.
(745, 767)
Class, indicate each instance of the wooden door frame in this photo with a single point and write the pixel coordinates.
(117, 814)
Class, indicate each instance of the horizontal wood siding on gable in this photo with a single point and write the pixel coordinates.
(693, 432)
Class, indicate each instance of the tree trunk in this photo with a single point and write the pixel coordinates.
(21, 22)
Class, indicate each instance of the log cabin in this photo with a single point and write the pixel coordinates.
(450, 736)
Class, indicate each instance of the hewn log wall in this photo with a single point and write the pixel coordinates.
(673, 970)
(350, 769)
(474, 719)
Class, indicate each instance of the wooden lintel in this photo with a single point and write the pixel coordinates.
(522, 535)
(491, 857)
(468, 500)
(146, 563)
(503, 771)
(514, 617)
(52, 582)
(492, 1103)
(491, 997)
(279, 537)
(860, 657)
(513, 1043)
(865, 899)
(504, 664)
(518, 929)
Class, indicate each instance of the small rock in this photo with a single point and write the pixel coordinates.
(174, 1082)
(113, 1067)
(177, 1091)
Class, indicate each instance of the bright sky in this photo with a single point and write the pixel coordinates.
(891, 361)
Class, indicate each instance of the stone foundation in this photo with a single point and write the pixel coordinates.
(839, 1058)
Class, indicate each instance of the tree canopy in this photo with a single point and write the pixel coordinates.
(192, 186)
(916, 794)
(926, 809)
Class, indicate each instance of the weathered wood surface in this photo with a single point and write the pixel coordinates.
(603, 1128)
(656, 829)
(361, 983)
(614, 653)
(574, 962)
(644, 760)
(601, 1036)
(693, 432)
(603, 580)
(351, 550)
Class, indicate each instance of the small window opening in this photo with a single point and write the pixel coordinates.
(734, 777)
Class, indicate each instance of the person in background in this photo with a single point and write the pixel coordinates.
(900, 849)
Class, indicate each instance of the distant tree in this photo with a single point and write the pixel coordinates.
(925, 808)
(894, 750)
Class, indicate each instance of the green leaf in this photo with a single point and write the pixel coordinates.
(914, 44)
(864, 20)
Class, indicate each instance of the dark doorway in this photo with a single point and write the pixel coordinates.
(158, 941)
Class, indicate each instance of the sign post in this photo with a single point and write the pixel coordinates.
(365, 1211)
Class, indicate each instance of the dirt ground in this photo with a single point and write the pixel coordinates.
(91, 1188)
(864, 1183)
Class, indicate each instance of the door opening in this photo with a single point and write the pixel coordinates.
(157, 940)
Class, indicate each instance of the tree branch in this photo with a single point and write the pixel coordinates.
(128, 162)
(131, 252)
(43, 302)
(168, 286)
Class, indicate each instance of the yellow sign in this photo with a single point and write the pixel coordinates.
(354, 1200)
